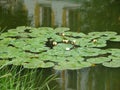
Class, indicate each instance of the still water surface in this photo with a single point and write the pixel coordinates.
(80, 16)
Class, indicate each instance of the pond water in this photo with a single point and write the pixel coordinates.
(80, 16)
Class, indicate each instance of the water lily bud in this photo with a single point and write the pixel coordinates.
(67, 49)
(54, 43)
(65, 41)
(94, 40)
(62, 34)
(74, 41)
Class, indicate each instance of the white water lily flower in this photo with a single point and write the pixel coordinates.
(67, 49)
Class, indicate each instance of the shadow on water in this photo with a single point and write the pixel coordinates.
(80, 16)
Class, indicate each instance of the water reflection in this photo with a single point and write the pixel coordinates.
(94, 78)
(79, 15)
(12, 14)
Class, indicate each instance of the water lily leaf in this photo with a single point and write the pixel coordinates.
(9, 52)
(57, 38)
(6, 41)
(18, 43)
(113, 64)
(47, 65)
(47, 29)
(62, 47)
(75, 34)
(71, 65)
(90, 51)
(35, 48)
(22, 28)
(115, 38)
(114, 52)
(33, 64)
(28, 46)
(98, 60)
(99, 34)
(112, 57)
(9, 34)
(3, 62)
(75, 58)
(61, 29)
(83, 42)
(37, 64)
(97, 43)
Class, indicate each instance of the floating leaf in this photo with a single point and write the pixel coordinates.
(105, 34)
(75, 34)
(98, 60)
(3, 62)
(115, 38)
(113, 64)
(37, 64)
(90, 51)
(71, 65)
(46, 47)
(62, 29)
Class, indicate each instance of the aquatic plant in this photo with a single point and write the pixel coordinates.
(59, 48)
(19, 78)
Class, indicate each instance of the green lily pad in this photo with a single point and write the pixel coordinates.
(6, 41)
(106, 33)
(38, 64)
(3, 62)
(75, 34)
(90, 51)
(98, 60)
(10, 34)
(113, 64)
(117, 57)
(31, 48)
(61, 29)
(115, 38)
(71, 65)
(114, 52)
(97, 43)
(22, 28)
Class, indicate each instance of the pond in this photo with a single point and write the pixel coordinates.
(80, 16)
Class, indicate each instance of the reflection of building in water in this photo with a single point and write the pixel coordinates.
(93, 78)
(53, 13)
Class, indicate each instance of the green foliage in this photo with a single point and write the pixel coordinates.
(19, 78)
(59, 48)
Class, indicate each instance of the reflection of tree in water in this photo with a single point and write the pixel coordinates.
(13, 16)
(100, 15)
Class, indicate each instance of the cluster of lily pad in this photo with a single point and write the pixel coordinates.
(59, 48)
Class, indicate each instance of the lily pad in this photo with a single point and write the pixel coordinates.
(71, 65)
(38, 64)
(3, 62)
(105, 34)
(45, 47)
(75, 34)
(90, 51)
(98, 60)
(115, 38)
(62, 29)
(113, 64)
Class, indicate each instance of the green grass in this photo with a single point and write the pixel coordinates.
(18, 78)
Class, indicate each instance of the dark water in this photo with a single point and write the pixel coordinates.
(80, 16)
